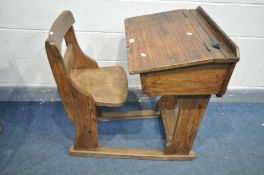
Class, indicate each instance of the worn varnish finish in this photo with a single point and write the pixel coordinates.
(83, 86)
(176, 39)
(143, 114)
(219, 32)
(184, 57)
(79, 96)
(228, 76)
(107, 85)
(169, 118)
(181, 55)
(188, 114)
(142, 154)
(84, 118)
(194, 80)
(166, 102)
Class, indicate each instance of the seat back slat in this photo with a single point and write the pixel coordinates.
(68, 58)
(60, 27)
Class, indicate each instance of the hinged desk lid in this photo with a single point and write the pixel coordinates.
(176, 39)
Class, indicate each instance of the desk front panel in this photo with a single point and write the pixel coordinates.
(196, 80)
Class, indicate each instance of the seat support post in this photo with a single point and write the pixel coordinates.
(85, 122)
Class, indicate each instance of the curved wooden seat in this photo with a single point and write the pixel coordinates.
(107, 85)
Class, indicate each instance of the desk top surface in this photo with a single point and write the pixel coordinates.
(175, 39)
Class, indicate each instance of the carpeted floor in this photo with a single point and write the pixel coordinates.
(36, 137)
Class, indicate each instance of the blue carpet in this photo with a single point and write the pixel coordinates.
(37, 135)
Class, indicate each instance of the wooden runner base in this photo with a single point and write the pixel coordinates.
(126, 153)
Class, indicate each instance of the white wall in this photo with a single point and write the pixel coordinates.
(100, 31)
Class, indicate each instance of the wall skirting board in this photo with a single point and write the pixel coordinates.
(250, 95)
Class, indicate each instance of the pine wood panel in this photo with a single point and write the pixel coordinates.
(142, 114)
(234, 48)
(169, 119)
(183, 56)
(81, 60)
(125, 153)
(190, 112)
(166, 102)
(59, 28)
(68, 58)
(107, 85)
(79, 103)
(175, 39)
(228, 77)
(62, 28)
(204, 79)
(84, 119)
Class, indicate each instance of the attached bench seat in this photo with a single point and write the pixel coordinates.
(107, 85)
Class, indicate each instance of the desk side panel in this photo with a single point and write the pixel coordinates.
(196, 80)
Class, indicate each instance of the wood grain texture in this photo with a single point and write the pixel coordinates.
(169, 119)
(107, 85)
(84, 118)
(166, 102)
(68, 59)
(203, 79)
(191, 61)
(62, 28)
(182, 56)
(221, 34)
(227, 79)
(175, 39)
(191, 110)
(124, 153)
(79, 101)
(130, 115)
(59, 28)
(81, 60)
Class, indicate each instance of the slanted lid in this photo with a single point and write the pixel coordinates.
(175, 39)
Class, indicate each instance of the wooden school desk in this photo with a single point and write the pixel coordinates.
(181, 55)
(184, 57)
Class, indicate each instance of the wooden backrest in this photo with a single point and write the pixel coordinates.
(74, 58)
(61, 29)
